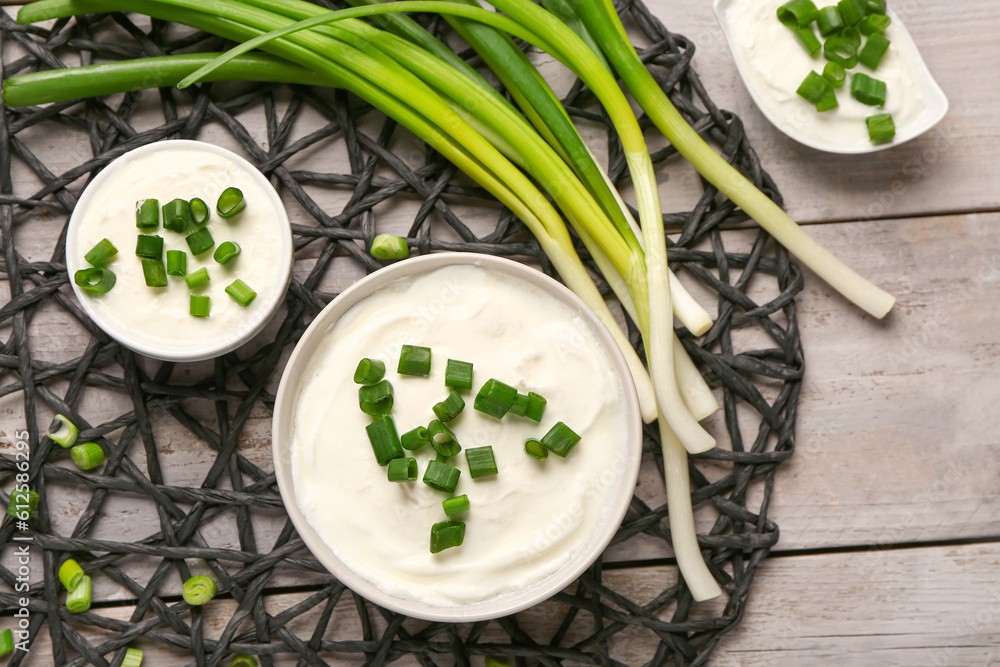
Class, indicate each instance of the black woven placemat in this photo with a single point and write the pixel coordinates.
(595, 621)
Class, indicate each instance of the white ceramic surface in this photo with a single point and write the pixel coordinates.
(269, 298)
(936, 109)
(298, 368)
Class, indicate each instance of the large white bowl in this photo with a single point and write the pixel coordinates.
(300, 367)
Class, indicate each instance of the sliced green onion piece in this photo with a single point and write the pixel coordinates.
(842, 51)
(177, 261)
(200, 241)
(95, 281)
(369, 371)
(375, 399)
(456, 505)
(402, 470)
(446, 534)
(441, 476)
(62, 431)
(198, 590)
(133, 658)
(200, 212)
(230, 202)
(176, 215)
(458, 374)
(23, 503)
(384, 441)
(797, 13)
(101, 253)
(828, 101)
(200, 305)
(560, 439)
(87, 456)
(241, 292)
(450, 407)
(226, 251)
(147, 214)
(389, 246)
(813, 87)
(415, 438)
(829, 21)
(835, 74)
(868, 90)
(150, 247)
(6, 642)
(530, 405)
(852, 35)
(199, 278)
(495, 398)
(481, 461)
(850, 11)
(874, 24)
(78, 599)
(876, 6)
(873, 51)
(809, 41)
(414, 360)
(70, 574)
(243, 660)
(881, 129)
(442, 439)
(536, 449)
(154, 272)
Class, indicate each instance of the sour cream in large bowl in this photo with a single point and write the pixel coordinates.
(157, 321)
(534, 526)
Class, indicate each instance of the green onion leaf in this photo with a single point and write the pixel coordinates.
(200, 305)
(87, 456)
(481, 462)
(78, 599)
(6, 642)
(841, 50)
(375, 399)
(414, 360)
(176, 263)
(402, 470)
(95, 281)
(62, 431)
(450, 407)
(198, 590)
(389, 246)
(797, 13)
(200, 241)
(200, 213)
(442, 439)
(241, 293)
(874, 49)
(415, 438)
(230, 202)
(133, 658)
(495, 398)
(560, 439)
(835, 74)
(243, 660)
(441, 476)
(101, 253)
(881, 129)
(536, 449)
(456, 505)
(199, 278)
(829, 21)
(147, 214)
(383, 439)
(809, 41)
(226, 251)
(70, 574)
(150, 247)
(154, 272)
(446, 534)
(458, 374)
(868, 90)
(23, 503)
(176, 215)
(874, 24)
(369, 371)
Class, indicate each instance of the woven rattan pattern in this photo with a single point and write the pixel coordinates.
(213, 402)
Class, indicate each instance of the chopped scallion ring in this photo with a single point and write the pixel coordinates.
(458, 374)
(6, 642)
(441, 476)
(78, 599)
(176, 215)
(841, 50)
(243, 660)
(495, 398)
(873, 51)
(369, 371)
(147, 214)
(876, 6)
(881, 129)
(383, 439)
(241, 293)
(415, 438)
(817, 90)
(835, 74)
(442, 439)
(829, 21)
(226, 251)
(149, 246)
(446, 534)
(797, 13)
(154, 272)
(199, 278)
(457, 505)
(95, 280)
(62, 431)
(535, 449)
(414, 360)
(868, 90)
(874, 24)
(87, 456)
(23, 503)
(851, 11)
(198, 590)
(200, 241)
(133, 658)
(230, 202)
(375, 399)
(560, 439)
(450, 407)
(70, 574)
(389, 246)
(481, 462)
(177, 263)
(809, 41)
(530, 405)
(402, 470)
(200, 305)
(101, 253)
(200, 212)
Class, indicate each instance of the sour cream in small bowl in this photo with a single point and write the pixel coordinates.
(534, 526)
(157, 321)
(773, 64)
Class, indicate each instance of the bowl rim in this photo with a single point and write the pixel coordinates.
(937, 109)
(273, 298)
(290, 387)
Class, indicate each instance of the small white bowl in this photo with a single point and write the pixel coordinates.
(303, 365)
(155, 321)
(799, 121)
